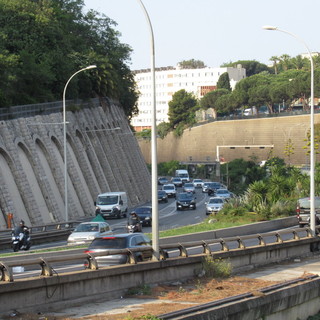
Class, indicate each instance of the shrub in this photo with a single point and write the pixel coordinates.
(216, 268)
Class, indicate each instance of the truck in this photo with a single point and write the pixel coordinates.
(183, 174)
(112, 204)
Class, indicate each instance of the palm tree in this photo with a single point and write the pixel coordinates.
(275, 60)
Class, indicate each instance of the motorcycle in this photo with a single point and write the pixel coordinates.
(131, 228)
(21, 240)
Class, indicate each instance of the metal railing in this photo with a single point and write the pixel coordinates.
(237, 242)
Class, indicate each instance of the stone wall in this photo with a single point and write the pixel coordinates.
(102, 155)
(200, 143)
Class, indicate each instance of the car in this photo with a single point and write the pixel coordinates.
(198, 183)
(211, 187)
(85, 232)
(303, 211)
(170, 190)
(120, 241)
(223, 193)
(162, 196)
(186, 200)
(214, 205)
(162, 180)
(189, 187)
(145, 215)
(177, 181)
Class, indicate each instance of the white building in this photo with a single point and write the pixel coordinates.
(170, 80)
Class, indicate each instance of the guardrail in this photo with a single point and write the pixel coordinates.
(42, 233)
(238, 242)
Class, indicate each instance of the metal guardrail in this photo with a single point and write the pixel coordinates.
(47, 270)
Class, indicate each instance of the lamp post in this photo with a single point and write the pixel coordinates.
(154, 162)
(65, 141)
(312, 153)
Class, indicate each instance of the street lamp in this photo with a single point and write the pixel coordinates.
(312, 153)
(154, 162)
(65, 141)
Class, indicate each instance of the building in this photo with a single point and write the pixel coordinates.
(172, 79)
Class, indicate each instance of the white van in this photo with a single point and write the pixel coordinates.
(112, 204)
(183, 174)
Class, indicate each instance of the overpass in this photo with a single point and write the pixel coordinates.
(55, 291)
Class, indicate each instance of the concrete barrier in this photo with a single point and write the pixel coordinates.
(49, 293)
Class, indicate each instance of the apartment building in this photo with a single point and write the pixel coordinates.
(172, 79)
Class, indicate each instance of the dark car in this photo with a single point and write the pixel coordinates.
(186, 200)
(177, 181)
(145, 215)
(120, 241)
(211, 187)
(162, 196)
(162, 180)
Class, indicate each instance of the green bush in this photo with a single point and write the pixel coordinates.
(216, 268)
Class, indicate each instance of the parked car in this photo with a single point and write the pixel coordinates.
(170, 190)
(303, 211)
(198, 183)
(224, 193)
(85, 232)
(189, 187)
(186, 200)
(162, 196)
(177, 181)
(145, 215)
(120, 241)
(211, 187)
(162, 180)
(214, 205)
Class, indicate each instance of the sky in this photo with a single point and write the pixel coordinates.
(213, 31)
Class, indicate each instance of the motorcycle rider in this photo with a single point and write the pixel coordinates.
(134, 220)
(22, 228)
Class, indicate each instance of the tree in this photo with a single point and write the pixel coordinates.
(224, 82)
(43, 42)
(210, 99)
(275, 61)
(252, 67)
(191, 64)
(182, 108)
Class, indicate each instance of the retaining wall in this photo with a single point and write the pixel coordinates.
(102, 155)
(200, 143)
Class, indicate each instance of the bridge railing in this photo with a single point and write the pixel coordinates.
(226, 244)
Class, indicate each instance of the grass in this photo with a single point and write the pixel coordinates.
(214, 223)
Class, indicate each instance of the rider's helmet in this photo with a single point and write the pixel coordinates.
(133, 213)
(21, 223)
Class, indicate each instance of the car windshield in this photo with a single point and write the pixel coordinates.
(188, 185)
(197, 180)
(305, 203)
(168, 187)
(185, 196)
(105, 200)
(86, 227)
(215, 200)
(142, 210)
(108, 243)
(161, 193)
(222, 191)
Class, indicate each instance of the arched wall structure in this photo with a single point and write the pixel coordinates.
(102, 155)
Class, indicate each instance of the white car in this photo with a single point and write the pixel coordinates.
(85, 232)
(198, 183)
(214, 205)
(170, 189)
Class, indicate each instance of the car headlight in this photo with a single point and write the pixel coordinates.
(91, 237)
(147, 218)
